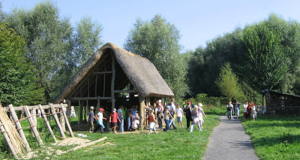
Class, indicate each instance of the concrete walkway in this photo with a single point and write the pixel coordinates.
(229, 141)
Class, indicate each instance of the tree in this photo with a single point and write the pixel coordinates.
(266, 63)
(158, 41)
(228, 83)
(87, 39)
(17, 74)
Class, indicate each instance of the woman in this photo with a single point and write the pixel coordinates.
(237, 109)
(254, 113)
(196, 120)
(167, 116)
(201, 113)
(229, 109)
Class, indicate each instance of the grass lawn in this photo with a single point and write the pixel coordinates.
(175, 144)
(275, 137)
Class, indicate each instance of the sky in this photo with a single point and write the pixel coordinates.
(198, 21)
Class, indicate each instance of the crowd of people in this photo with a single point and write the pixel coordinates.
(156, 115)
(249, 110)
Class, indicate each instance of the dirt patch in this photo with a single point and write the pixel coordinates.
(72, 141)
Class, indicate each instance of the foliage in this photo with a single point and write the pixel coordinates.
(158, 41)
(275, 137)
(52, 46)
(18, 76)
(228, 83)
(266, 62)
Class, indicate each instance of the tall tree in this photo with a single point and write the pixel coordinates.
(87, 39)
(266, 63)
(228, 83)
(17, 75)
(158, 41)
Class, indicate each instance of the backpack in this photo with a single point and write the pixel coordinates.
(228, 108)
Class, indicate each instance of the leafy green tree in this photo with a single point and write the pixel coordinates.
(266, 63)
(228, 83)
(17, 75)
(87, 39)
(158, 41)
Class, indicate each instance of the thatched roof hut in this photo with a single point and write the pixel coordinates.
(112, 71)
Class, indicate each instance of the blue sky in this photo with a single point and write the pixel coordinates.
(198, 21)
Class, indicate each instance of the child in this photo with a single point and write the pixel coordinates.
(100, 120)
(135, 120)
(90, 119)
(179, 113)
(72, 112)
(152, 121)
(229, 110)
(114, 118)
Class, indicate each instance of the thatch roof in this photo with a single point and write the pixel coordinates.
(134, 69)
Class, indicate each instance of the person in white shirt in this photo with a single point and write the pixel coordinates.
(201, 114)
(99, 119)
(179, 114)
(72, 114)
(245, 109)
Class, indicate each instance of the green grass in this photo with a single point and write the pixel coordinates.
(175, 144)
(275, 137)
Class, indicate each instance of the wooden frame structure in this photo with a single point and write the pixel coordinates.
(281, 103)
(113, 77)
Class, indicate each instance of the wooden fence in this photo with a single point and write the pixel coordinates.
(31, 116)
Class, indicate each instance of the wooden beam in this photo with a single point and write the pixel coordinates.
(113, 82)
(89, 98)
(142, 111)
(102, 72)
(47, 123)
(33, 126)
(20, 108)
(125, 91)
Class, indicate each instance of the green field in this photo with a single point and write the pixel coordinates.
(275, 137)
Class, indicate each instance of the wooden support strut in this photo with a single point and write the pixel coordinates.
(19, 128)
(47, 123)
(57, 121)
(12, 149)
(33, 126)
(113, 82)
(66, 119)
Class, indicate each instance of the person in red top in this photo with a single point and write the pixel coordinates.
(114, 118)
(249, 110)
(152, 121)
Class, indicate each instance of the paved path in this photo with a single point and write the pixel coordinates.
(229, 141)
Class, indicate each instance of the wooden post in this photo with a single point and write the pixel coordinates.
(68, 124)
(12, 149)
(113, 82)
(57, 121)
(33, 126)
(47, 123)
(147, 105)
(61, 119)
(33, 113)
(142, 111)
(69, 110)
(19, 128)
(80, 113)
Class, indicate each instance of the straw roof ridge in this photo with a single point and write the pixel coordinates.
(139, 70)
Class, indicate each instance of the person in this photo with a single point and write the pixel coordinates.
(184, 107)
(167, 117)
(121, 117)
(160, 109)
(99, 119)
(72, 114)
(135, 120)
(233, 104)
(196, 120)
(179, 114)
(253, 111)
(248, 111)
(237, 109)
(201, 113)
(229, 110)
(114, 119)
(188, 114)
(90, 119)
(39, 113)
(152, 121)
(245, 110)
(128, 115)
(172, 120)
(148, 112)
